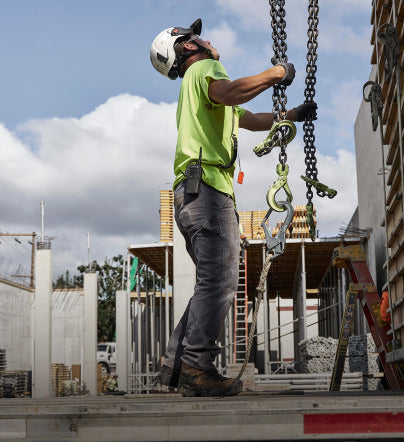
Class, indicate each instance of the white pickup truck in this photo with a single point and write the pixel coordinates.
(106, 356)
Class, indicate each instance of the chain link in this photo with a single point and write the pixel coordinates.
(279, 98)
(309, 93)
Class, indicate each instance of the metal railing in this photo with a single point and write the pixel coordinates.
(144, 383)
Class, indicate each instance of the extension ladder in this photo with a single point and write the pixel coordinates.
(363, 288)
(241, 311)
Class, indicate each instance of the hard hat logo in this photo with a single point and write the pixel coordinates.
(162, 58)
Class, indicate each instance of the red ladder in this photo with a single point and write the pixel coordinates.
(353, 258)
(241, 312)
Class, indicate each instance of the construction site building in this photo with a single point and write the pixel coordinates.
(379, 161)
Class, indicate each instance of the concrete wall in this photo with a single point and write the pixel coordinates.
(184, 275)
(16, 326)
(67, 326)
(286, 317)
(368, 153)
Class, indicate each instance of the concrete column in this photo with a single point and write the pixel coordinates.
(184, 275)
(90, 332)
(138, 326)
(41, 376)
(153, 326)
(122, 338)
(296, 315)
(267, 365)
(303, 294)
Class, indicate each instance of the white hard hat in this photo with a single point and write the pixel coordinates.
(162, 54)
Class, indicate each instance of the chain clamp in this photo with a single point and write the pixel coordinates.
(376, 102)
(276, 245)
(320, 187)
(281, 182)
(387, 35)
(282, 132)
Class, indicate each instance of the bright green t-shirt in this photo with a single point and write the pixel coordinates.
(201, 122)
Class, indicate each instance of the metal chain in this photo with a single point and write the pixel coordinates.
(279, 98)
(309, 93)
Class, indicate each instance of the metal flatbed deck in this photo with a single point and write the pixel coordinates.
(170, 417)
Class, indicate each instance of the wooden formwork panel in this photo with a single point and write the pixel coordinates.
(396, 288)
(394, 220)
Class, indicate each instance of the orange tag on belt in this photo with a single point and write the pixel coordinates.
(240, 177)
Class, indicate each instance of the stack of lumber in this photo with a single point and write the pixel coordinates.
(166, 215)
(298, 227)
(3, 363)
(60, 373)
(250, 222)
(13, 383)
(245, 221)
(256, 220)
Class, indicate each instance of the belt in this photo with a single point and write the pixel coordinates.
(183, 183)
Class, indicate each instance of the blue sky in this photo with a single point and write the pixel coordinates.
(88, 126)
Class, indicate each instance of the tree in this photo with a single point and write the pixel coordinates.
(65, 281)
(110, 280)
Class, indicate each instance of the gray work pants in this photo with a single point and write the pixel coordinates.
(209, 224)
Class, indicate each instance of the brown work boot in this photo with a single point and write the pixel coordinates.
(194, 382)
(168, 376)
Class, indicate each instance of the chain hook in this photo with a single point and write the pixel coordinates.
(281, 182)
(276, 245)
(282, 133)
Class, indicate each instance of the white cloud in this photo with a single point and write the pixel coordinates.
(345, 100)
(225, 39)
(340, 38)
(339, 28)
(99, 174)
(250, 16)
(102, 174)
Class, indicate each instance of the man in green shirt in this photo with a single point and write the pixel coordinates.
(208, 117)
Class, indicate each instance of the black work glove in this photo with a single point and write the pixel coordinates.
(306, 110)
(289, 74)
